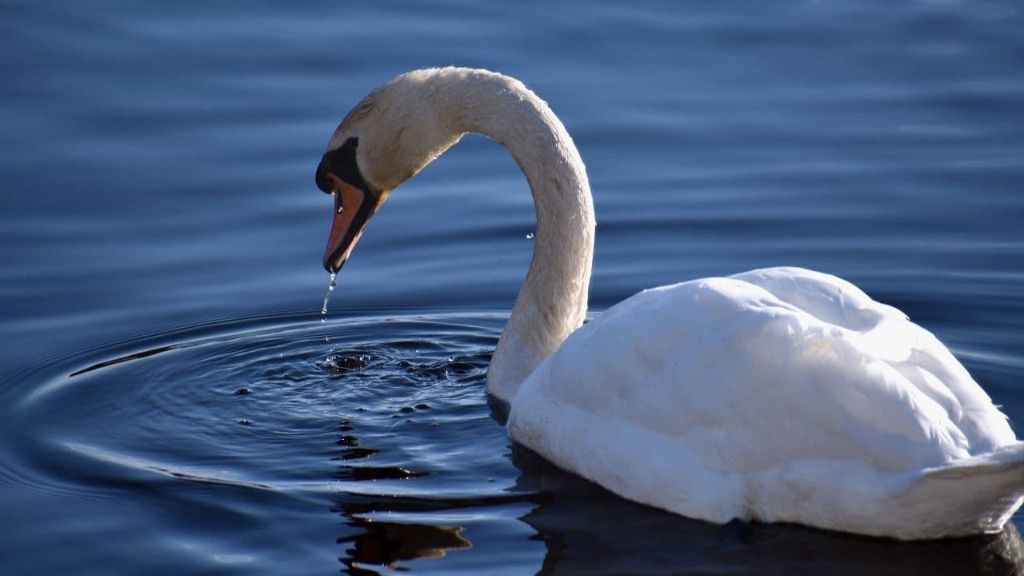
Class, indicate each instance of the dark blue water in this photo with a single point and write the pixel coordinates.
(171, 403)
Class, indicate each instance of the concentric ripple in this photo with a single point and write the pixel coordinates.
(383, 420)
(284, 445)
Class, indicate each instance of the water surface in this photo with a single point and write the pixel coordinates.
(171, 403)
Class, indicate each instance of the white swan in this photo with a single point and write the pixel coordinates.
(781, 395)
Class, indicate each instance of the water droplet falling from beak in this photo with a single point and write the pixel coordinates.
(327, 297)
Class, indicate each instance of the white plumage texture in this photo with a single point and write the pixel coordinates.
(776, 394)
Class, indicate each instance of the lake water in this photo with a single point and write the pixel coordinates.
(170, 402)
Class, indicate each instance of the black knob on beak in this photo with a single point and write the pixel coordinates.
(340, 162)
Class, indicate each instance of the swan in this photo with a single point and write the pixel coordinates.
(776, 395)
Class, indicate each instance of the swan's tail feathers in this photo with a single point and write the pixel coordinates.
(973, 495)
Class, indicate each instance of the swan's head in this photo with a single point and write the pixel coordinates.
(386, 139)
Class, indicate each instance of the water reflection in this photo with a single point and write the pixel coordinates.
(587, 530)
(387, 544)
(383, 541)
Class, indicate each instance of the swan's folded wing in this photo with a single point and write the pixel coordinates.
(884, 333)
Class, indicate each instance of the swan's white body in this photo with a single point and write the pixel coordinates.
(778, 394)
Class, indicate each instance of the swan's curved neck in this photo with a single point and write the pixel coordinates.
(553, 299)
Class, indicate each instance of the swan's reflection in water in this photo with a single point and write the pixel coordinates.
(383, 540)
(587, 530)
(386, 544)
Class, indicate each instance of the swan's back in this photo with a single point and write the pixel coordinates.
(725, 380)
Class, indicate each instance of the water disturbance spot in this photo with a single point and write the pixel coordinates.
(341, 363)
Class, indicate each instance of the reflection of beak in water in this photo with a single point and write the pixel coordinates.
(385, 544)
(390, 533)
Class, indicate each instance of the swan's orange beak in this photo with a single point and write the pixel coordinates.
(352, 210)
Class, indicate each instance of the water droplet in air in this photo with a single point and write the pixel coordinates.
(327, 297)
(530, 235)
